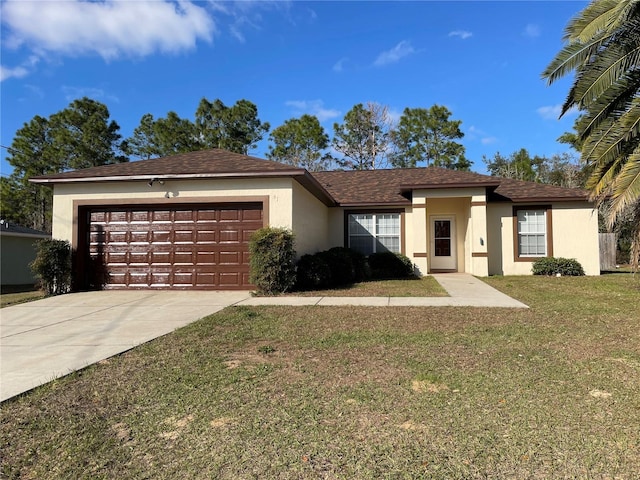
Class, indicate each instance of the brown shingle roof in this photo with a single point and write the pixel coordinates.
(204, 163)
(393, 187)
(363, 187)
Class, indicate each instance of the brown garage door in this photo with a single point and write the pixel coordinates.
(186, 246)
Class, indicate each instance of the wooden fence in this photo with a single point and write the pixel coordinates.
(607, 251)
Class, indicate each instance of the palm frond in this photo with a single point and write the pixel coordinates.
(612, 103)
(571, 57)
(609, 142)
(599, 16)
(610, 68)
(625, 189)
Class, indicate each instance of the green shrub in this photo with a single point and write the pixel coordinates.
(390, 265)
(340, 264)
(272, 260)
(312, 273)
(552, 266)
(52, 266)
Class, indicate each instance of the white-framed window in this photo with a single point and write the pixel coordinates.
(374, 232)
(532, 232)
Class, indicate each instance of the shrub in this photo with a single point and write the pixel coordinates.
(390, 265)
(553, 266)
(52, 266)
(272, 260)
(340, 264)
(312, 273)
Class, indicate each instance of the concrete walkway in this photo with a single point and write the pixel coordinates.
(464, 291)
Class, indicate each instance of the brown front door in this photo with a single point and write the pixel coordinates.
(185, 246)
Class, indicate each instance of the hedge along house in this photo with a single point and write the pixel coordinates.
(184, 221)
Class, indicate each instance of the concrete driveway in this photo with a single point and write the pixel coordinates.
(49, 338)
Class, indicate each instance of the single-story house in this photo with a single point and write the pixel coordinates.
(184, 221)
(17, 251)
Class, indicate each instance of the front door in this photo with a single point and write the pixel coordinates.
(443, 243)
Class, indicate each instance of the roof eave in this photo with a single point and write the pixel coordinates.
(185, 176)
(374, 204)
(24, 235)
(440, 186)
(550, 199)
(315, 188)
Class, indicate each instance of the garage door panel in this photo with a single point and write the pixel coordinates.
(189, 246)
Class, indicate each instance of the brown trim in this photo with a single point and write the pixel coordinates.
(419, 205)
(479, 254)
(420, 255)
(371, 205)
(478, 204)
(439, 186)
(375, 211)
(582, 198)
(315, 188)
(178, 176)
(549, 232)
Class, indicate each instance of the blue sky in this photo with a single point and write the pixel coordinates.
(480, 59)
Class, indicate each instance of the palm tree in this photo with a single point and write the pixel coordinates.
(603, 49)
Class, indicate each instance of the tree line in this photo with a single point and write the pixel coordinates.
(83, 135)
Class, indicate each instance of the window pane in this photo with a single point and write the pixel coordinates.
(442, 228)
(362, 244)
(391, 244)
(532, 233)
(369, 233)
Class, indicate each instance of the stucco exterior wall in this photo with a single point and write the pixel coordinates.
(575, 235)
(310, 221)
(278, 212)
(16, 253)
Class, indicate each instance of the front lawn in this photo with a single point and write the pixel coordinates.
(409, 287)
(21, 294)
(357, 392)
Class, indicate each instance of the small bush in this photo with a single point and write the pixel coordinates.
(52, 266)
(312, 273)
(390, 265)
(552, 266)
(340, 262)
(272, 260)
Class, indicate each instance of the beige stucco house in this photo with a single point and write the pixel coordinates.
(184, 221)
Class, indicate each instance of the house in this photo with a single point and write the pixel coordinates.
(184, 221)
(17, 251)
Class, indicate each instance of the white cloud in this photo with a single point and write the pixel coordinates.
(110, 28)
(531, 30)
(463, 34)
(313, 107)
(474, 133)
(21, 71)
(72, 93)
(339, 65)
(401, 50)
(550, 112)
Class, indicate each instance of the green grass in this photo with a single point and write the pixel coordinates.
(357, 392)
(20, 294)
(411, 287)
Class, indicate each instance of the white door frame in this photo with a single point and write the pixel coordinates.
(450, 262)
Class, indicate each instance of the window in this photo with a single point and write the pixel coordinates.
(533, 232)
(374, 232)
